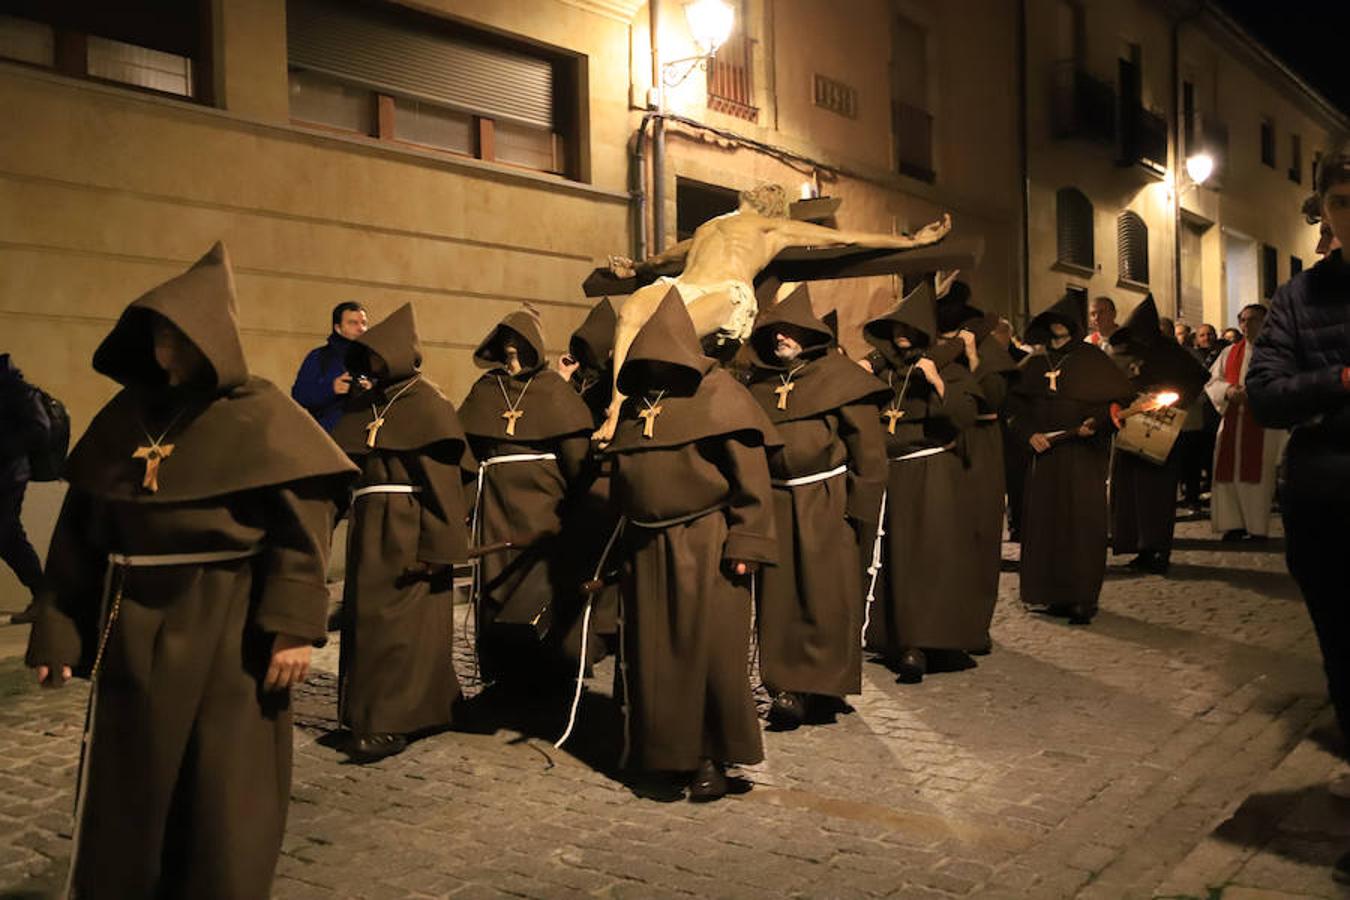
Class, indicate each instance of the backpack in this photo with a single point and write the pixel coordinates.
(48, 460)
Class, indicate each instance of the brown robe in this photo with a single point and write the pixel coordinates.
(809, 615)
(928, 593)
(685, 627)
(185, 775)
(528, 601)
(1064, 511)
(395, 674)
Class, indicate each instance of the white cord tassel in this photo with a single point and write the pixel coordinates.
(585, 636)
(874, 569)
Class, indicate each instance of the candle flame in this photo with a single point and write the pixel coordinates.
(1167, 398)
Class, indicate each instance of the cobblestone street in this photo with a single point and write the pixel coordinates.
(1173, 748)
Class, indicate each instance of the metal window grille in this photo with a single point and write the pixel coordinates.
(1073, 219)
(731, 86)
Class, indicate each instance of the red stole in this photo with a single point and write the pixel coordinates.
(1239, 426)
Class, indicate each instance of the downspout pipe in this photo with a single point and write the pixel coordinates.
(657, 103)
(638, 186)
(1178, 167)
(1024, 163)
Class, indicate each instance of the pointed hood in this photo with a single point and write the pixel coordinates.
(201, 304)
(917, 311)
(831, 320)
(1142, 329)
(394, 341)
(665, 354)
(521, 326)
(954, 309)
(1070, 311)
(592, 343)
(794, 315)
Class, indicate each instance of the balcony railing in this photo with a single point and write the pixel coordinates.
(731, 86)
(1213, 139)
(1142, 138)
(913, 130)
(1082, 106)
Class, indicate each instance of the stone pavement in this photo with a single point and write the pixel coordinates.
(1172, 748)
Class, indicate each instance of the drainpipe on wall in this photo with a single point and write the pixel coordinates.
(1024, 160)
(1178, 129)
(657, 102)
(637, 178)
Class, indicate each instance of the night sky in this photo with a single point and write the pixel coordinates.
(1308, 35)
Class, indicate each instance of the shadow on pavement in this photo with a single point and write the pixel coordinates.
(1269, 545)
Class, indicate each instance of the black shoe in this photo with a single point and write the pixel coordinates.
(26, 617)
(1154, 562)
(1341, 870)
(984, 649)
(369, 748)
(1234, 535)
(335, 619)
(1081, 615)
(911, 666)
(709, 784)
(788, 711)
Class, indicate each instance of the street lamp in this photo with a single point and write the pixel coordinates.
(710, 23)
(1199, 167)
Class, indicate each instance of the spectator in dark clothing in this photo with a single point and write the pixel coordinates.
(1195, 445)
(1208, 345)
(23, 426)
(323, 380)
(1299, 379)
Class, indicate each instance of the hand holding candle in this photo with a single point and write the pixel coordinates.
(1145, 403)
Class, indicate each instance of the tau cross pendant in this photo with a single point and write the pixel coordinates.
(892, 416)
(648, 417)
(782, 391)
(1053, 377)
(511, 415)
(152, 456)
(373, 429)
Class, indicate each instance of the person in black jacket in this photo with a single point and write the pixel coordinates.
(23, 424)
(1299, 379)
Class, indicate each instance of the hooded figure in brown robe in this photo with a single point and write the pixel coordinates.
(692, 480)
(828, 474)
(1060, 407)
(928, 595)
(200, 508)
(971, 333)
(407, 531)
(1144, 493)
(592, 516)
(531, 434)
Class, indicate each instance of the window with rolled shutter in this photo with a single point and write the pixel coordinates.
(1132, 247)
(1073, 212)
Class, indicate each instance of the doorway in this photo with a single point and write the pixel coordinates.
(1241, 277)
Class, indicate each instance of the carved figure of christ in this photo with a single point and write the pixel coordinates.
(721, 262)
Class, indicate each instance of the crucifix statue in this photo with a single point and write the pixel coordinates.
(721, 262)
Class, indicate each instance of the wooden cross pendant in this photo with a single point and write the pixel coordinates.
(1053, 377)
(152, 456)
(892, 416)
(373, 429)
(648, 416)
(782, 391)
(511, 415)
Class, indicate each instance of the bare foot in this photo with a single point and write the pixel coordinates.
(605, 433)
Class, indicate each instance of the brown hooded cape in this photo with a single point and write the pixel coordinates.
(1143, 493)
(810, 610)
(1064, 508)
(178, 717)
(686, 620)
(592, 346)
(395, 674)
(528, 602)
(928, 594)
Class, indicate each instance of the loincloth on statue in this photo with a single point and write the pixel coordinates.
(744, 307)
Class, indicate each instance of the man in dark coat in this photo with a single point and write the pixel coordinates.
(531, 434)
(970, 332)
(1060, 408)
(1299, 378)
(24, 424)
(323, 382)
(927, 602)
(1144, 493)
(828, 475)
(692, 481)
(200, 508)
(407, 532)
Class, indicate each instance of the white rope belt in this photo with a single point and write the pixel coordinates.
(516, 457)
(810, 479)
(387, 489)
(136, 560)
(677, 520)
(920, 454)
(987, 417)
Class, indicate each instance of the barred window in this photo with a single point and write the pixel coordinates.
(1132, 247)
(1073, 219)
